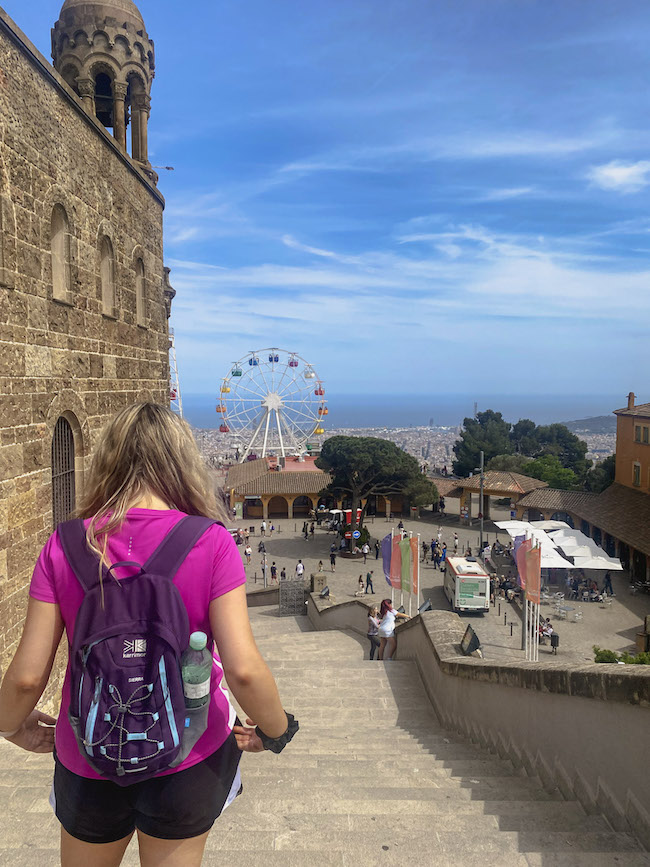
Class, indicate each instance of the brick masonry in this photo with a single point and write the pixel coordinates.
(64, 357)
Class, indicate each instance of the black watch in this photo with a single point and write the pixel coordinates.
(276, 745)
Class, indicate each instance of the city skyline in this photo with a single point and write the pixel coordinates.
(412, 196)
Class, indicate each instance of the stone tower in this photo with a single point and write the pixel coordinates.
(102, 50)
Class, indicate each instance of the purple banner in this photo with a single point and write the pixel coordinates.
(386, 553)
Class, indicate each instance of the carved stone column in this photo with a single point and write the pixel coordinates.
(143, 108)
(119, 114)
(87, 93)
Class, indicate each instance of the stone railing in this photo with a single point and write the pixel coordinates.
(582, 729)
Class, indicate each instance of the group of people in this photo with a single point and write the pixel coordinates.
(368, 586)
(381, 629)
(588, 589)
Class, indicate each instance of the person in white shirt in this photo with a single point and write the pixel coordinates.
(386, 631)
(365, 550)
(300, 569)
(248, 551)
(263, 528)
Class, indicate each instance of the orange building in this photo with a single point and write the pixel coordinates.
(619, 517)
(633, 445)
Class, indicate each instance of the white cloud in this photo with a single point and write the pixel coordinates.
(505, 193)
(621, 177)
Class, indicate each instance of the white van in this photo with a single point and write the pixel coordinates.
(467, 585)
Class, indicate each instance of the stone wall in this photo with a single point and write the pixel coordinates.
(64, 357)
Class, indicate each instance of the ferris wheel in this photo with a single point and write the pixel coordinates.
(272, 401)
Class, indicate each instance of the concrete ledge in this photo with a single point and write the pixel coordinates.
(324, 614)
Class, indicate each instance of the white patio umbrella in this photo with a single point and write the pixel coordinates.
(604, 563)
(583, 551)
(550, 525)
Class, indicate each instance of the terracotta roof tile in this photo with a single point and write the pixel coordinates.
(503, 482)
(643, 409)
(238, 474)
(283, 482)
(559, 501)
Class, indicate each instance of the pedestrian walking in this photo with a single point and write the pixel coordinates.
(147, 499)
(333, 560)
(300, 569)
(456, 542)
(365, 550)
(377, 549)
(263, 528)
(607, 585)
(369, 587)
(271, 530)
(320, 565)
(248, 551)
(360, 587)
(400, 526)
(283, 574)
(373, 629)
(274, 572)
(312, 529)
(439, 534)
(425, 551)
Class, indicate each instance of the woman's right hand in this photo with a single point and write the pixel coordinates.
(247, 739)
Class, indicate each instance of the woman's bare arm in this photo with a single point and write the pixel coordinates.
(248, 676)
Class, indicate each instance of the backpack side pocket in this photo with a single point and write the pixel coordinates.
(196, 724)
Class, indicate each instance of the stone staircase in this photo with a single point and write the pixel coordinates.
(372, 779)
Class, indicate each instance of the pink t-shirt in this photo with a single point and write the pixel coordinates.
(212, 568)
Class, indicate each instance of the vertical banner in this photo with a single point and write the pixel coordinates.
(522, 546)
(415, 557)
(405, 554)
(396, 565)
(533, 574)
(386, 553)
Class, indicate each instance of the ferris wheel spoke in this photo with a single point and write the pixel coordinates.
(277, 422)
(242, 387)
(290, 434)
(293, 409)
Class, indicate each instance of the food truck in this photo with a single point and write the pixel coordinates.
(467, 585)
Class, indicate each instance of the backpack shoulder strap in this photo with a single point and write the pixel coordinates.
(177, 544)
(83, 562)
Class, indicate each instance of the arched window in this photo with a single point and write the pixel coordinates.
(104, 99)
(107, 274)
(140, 316)
(63, 481)
(60, 244)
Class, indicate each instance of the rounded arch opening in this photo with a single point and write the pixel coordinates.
(104, 98)
(64, 456)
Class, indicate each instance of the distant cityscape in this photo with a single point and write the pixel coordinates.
(432, 446)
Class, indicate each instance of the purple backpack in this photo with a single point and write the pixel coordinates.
(127, 706)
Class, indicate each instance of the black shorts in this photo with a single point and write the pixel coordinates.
(173, 807)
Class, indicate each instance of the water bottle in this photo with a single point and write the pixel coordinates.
(196, 668)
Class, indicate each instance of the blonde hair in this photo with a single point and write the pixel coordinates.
(144, 449)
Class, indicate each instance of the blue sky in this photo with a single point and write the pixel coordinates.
(417, 196)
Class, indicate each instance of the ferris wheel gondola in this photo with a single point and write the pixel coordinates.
(269, 403)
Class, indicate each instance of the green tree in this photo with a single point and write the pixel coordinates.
(549, 469)
(601, 475)
(508, 463)
(488, 433)
(365, 466)
(557, 439)
(523, 437)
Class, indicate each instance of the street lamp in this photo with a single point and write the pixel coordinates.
(480, 469)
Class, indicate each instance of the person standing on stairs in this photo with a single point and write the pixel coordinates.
(386, 632)
(373, 629)
(147, 499)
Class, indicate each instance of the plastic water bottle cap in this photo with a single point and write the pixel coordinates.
(198, 640)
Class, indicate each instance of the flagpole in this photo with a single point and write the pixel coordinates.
(413, 573)
(392, 589)
(417, 598)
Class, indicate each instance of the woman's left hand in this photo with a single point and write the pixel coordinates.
(33, 737)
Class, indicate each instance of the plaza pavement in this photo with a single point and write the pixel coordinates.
(613, 627)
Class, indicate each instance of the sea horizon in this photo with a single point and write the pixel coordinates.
(445, 410)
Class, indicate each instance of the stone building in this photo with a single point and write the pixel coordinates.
(84, 298)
